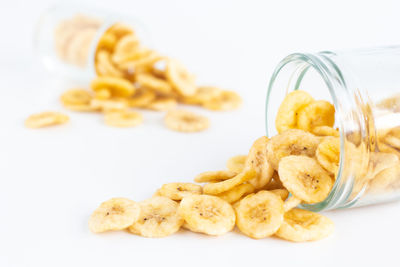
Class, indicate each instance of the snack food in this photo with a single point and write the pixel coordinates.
(185, 121)
(45, 119)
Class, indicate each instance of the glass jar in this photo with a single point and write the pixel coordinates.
(68, 37)
(364, 87)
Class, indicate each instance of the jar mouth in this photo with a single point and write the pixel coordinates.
(289, 75)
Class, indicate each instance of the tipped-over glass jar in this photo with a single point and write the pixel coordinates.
(70, 39)
(364, 87)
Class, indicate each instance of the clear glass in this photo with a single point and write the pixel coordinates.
(364, 86)
(67, 37)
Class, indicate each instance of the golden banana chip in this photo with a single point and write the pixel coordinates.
(207, 214)
(141, 98)
(118, 87)
(177, 191)
(328, 154)
(182, 81)
(325, 131)
(259, 215)
(214, 176)
(302, 225)
(44, 119)
(384, 180)
(286, 117)
(236, 193)
(203, 95)
(291, 142)
(393, 141)
(114, 214)
(156, 84)
(304, 178)
(220, 187)
(162, 104)
(257, 160)
(159, 217)
(317, 113)
(119, 30)
(283, 193)
(127, 45)
(185, 121)
(236, 163)
(103, 94)
(291, 203)
(123, 118)
(77, 100)
(104, 65)
(225, 100)
(109, 104)
(107, 42)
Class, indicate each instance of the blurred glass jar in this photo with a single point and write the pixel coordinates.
(364, 86)
(68, 36)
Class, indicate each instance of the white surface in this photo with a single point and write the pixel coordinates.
(51, 180)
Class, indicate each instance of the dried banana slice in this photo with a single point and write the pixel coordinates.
(141, 98)
(185, 121)
(291, 203)
(328, 154)
(77, 100)
(114, 214)
(123, 118)
(180, 78)
(259, 215)
(317, 113)
(109, 104)
(125, 46)
(257, 160)
(107, 42)
(391, 103)
(214, 176)
(393, 141)
(104, 65)
(378, 161)
(291, 142)
(156, 84)
(207, 214)
(388, 149)
(102, 94)
(384, 180)
(159, 217)
(236, 163)
(283, 193)
(325, 131)
(120, 30)
(275, 182)
(162, 104)
(177, 191)
(203, 95)
(44, 119)
(304, 178)
(118, 87)
(286, 117)
(237, 193)
(302, 225)
(220, 187)
(226, 100)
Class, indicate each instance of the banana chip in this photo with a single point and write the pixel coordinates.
(159, 217)
(304, 178)
(104, 65)
(214, 176)
(46, 119)
(283, 193)
(114, 214)
(291, 142)
(77, 100)
(302, 225)
(316, 114)
(123, 118)
(226, 100)
(259, 215)
(207, 214)
(118, 87)
(325, 131)
(185, 121)
(162, 104)
(202, 95)
(141, 98)
(236, 193)
(156, 84)
(328, 154)
(220, 187)
(291, 203)
(127, 45)
(286, 117)
(180, 78)
(385, 180)
(257, 160)
(177, 191)
(236, 163)
(109, 104)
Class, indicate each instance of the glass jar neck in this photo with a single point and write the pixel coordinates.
(352, 119)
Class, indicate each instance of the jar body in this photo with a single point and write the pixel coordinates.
(67, 38)
(364, 86)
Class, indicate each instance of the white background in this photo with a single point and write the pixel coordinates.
(52, 179)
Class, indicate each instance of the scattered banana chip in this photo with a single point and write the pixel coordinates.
(283, 193)
(259, 215)
(220, 187)
(177, 191)
(108, 104)
(141, 98)
(202, 95)
(180, 78)
(291, 142)
(226, 100)
(236, 163)
(214, 176)
(46, 119)
(291, 203)
(325, 131)
(104, 65)
(237, 193)
(77, 100)
(162, 104)
(159, 217)
(304, 178)
(257, 160)
(185, 121)
(328, 154)
(302, 225)
(316, 114)
(207, 214)
(118, 87)
(114, 214)
(286, 117)
(156, 84)
(123, 118)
